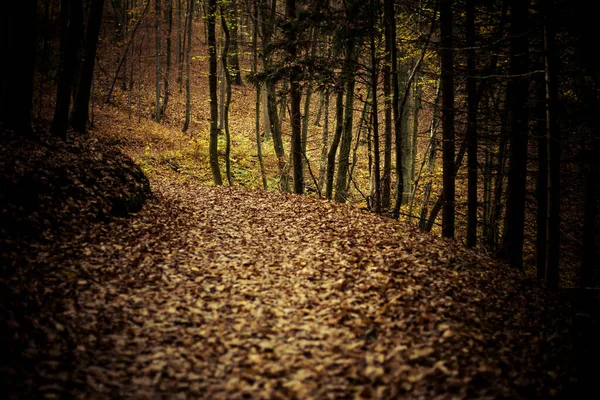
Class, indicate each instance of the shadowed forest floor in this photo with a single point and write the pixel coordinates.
(215, 292)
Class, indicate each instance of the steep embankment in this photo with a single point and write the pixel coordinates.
(230, 293)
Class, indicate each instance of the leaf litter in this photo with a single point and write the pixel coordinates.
(225, 293)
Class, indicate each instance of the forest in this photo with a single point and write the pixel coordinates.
(299, 199)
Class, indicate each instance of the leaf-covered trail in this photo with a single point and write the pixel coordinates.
(227, 293)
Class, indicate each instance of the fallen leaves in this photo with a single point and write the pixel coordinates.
(229, 293)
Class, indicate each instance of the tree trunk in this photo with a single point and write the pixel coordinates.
(228, 79)
(71, 15)
(344, 157)
(17, 26)
(295, 117)
(169, 18)
(158, 17)
(258, 90)
(553, 235)
(376, 194)
(188, 61)
(517, 99)
(339, 127)
(79, 116)
(447, 82)
(471, 127)
(234, 58)
(324, 139)
(212, 84)
(386, 179)
(542, 175)
(390, 17)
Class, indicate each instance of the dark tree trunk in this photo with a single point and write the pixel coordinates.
(386, 179)
(17, 41)
(295, 118)
(542, 175)
(228, 80)
(79, 116)
(212, 83)
(374, 82)
(517, 101)
(71, 15)
(339, 127)
(169, 18)
(346, 144)
(447, 79)
(188, 60)
(158, 38)
(553, 236)
(471, 127)
(390, 18)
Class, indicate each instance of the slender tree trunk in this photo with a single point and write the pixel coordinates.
(542, 175)
(180, 45)
(261, 163)
(188, 61)
(517, 96)
(324, 139)
(212, 83)
(405, 145)
(447, 117)
(295, 117)
(553, 235)
(471, 127)
(415, 137)
(234, 57)
(71, 15)
(158, 17)
(374, 82)
(386, 179)
(228, 79)
(390, 17)
(344, 157)
(169, 18)
(433, 147)
(339, 127)
(79, 116)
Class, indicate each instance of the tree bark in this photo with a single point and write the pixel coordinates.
(295, 117)
(344, 157)
(376, 194)
(553, 234)
(71, 15)
(447, 81)
(188, 61)
(339, 127)
(79, 116)
(517, 91)
(17, 41)
(212, 83)
(471, 127)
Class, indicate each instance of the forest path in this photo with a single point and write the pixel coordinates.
(215, 292)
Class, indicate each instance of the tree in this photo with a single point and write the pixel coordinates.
(71, 16)
(157, 57)
(553, 222)
(471, 126)
(447, 82)
(79, 115)
(375, 122)
(290, 12)
(516, 96)
(188, 58)
(212, 83)
(17, 47)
